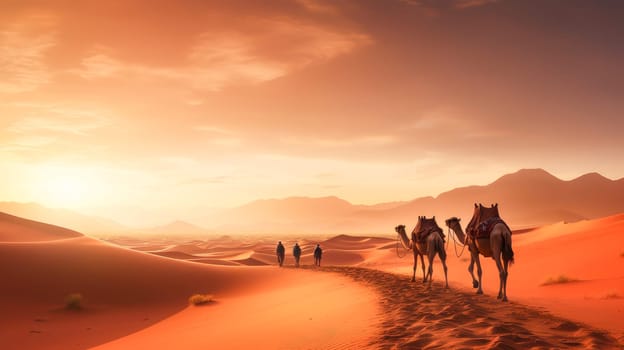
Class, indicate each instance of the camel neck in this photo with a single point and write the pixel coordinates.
(404, 240)
(461, 236)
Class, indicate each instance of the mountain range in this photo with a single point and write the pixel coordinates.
(526, 198)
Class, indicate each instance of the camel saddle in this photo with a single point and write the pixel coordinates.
(483, 221)
(424, 228)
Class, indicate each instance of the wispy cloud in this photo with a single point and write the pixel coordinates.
(59, 120)
(229, 57)
(318, 6)
(349, 142)
(457, 4)
(22, 48)
(462, 4)
(221, 59)
(206, 180)
(220, 136)
(99, 65)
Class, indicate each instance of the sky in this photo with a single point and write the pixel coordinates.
(145, 111)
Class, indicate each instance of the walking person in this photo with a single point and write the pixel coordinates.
(280, 251)
(318, 253)
(297, 254)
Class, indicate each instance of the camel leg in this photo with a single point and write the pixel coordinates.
(475, 283)
(430, 256)
(422, 262)
(502, 276)
(415, 265)
(506, 266)
(475, 257)
(497, 249)
(445, 270)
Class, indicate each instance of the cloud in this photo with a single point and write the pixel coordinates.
(206, 180)
(59, 120)
(462, 4)
(344, 142)
(456, 4)
(39, 131)
(99, 65)
(219, 136)
(317, 6)
(219, 58)
(23, 45)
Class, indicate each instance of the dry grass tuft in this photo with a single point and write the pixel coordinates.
(611, 295)
(561, 279)
(74, 301)
(200, 299)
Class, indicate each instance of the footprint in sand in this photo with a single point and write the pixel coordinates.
(416, 317)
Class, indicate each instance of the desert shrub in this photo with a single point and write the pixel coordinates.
(559, 280)
(200, 299)
(74, 301)
(611, 295)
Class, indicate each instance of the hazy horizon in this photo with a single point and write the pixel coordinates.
(146, 111)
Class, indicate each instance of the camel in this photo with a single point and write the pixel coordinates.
(407, 244)
(433, 244)
(497, 246)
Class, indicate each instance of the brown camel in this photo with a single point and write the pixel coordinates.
(497, 246)
(407, 244)
(426, 239)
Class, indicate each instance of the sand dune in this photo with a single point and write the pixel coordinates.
(136, 296)
(16, 229)
(319, 311)
(588, 252)
(124, 291)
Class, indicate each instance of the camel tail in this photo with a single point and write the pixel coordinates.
(508, 253)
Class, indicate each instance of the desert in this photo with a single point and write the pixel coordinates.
(311, 174)
(565, 291)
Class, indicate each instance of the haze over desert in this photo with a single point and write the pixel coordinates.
(311, 174)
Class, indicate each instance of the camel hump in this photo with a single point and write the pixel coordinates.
(485, 227)
(487, 213)
(424, 228)
(481, 214)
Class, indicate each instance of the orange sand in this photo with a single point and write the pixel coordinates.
(126, 291)
(137, 296)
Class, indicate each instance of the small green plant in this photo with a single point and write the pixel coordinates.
(200, 299)
(74, 301)
(559, 280)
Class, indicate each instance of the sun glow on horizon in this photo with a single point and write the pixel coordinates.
(66, 187)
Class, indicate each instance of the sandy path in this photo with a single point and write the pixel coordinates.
(416, 316)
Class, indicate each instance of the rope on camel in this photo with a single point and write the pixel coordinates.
(397, 247)
(455, 244)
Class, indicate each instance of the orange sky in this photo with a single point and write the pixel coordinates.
(143, 111)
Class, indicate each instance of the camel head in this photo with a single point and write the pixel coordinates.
(452, 221)
(400, 228)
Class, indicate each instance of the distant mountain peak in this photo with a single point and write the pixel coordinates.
(531, 172)
(593, 176)
(527, 175)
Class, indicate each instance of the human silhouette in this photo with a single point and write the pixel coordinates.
(318, 253)
(297, 254)
(280, 251)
